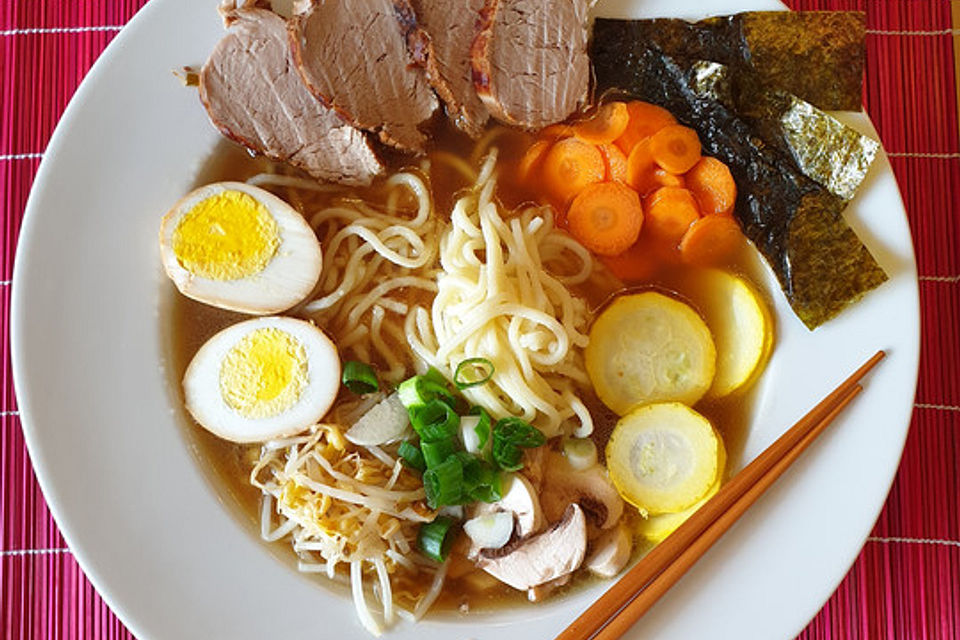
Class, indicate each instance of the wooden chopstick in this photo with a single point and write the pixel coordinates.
(674, 571)
(627, 588)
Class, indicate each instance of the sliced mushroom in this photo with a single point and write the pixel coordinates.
(610, 552)
(520, 499)
(590, 488)
(529, 562)
(540, 592)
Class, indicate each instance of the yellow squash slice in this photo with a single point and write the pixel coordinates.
(657, 528)
(648, 347)
(663, 458)
(741, 324)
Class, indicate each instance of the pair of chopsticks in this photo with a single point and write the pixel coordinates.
(627, 600)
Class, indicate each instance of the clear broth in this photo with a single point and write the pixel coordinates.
(229, 464)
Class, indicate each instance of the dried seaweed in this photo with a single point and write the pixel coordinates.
(814, 55)
(825, 149)
(795, 222)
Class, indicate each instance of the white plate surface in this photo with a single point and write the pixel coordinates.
(89, 333)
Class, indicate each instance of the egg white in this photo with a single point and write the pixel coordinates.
(289, 277)
(205, 402)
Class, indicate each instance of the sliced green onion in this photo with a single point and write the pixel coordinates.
(481, 480)
(510, 436)
(434, 421)
(488, 492)
(508, 457)
(359, 377)
(420, 390)
(520, 432)
(437, 451)
(581, 453)
(409, 393)
(467, 462)
(472, 372)
(433, 375)
(468, 434)
(411, 455)
(435, 538)
(483, 427)
(443, 483)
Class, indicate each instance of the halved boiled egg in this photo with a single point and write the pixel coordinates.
(239, 247)
(263, 378)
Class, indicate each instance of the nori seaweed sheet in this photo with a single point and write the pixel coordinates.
(815, 55)
(825, 149)
(795, 222)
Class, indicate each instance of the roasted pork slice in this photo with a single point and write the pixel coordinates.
(446, 34)
(253, 94)
(352, 54)
(529, 58)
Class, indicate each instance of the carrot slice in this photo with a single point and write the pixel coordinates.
(666, 179)
(711, 240)
(713, 186)
(556, 131)
(606, 218)
(643, 173)
(568, 167)
(607, 124)
(532, 159)
(668, 212)
(641, 167)
(645, 120)
(675, 148)
(615, 162)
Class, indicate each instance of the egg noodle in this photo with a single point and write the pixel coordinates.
(498, 299)
(370, 256)
(406, 289)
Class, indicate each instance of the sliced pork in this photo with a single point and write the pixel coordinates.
(352, 54)
(444, 51)
(530, 63)
(253, 94)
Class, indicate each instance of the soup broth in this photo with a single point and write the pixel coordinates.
(193, 323)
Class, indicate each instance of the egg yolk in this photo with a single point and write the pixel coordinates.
(264, 374)
(228, 236)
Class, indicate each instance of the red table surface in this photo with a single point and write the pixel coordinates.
(906, 582)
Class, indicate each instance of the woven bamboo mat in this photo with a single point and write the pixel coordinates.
(906, 583)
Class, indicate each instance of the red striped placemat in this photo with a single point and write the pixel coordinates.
(905, 584)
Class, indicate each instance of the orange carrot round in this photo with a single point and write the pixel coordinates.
(641, 167)
(711, 240)
(669, 212)
(532, 159)
(607, 124)
(568, 167)
(675, 148)
(666, 179)
(645, 120)
(556, 131)
(606, 218)
(615, 162)
(713, 186)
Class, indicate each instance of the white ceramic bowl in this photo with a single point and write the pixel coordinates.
(90, 330)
